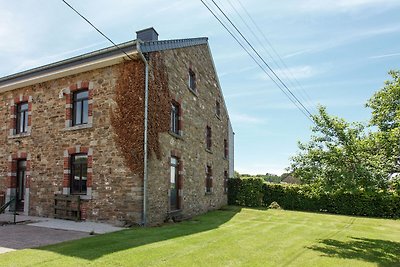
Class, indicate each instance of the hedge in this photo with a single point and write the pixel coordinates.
(254, 192)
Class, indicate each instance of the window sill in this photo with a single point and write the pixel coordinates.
(209, 151)
(78, 127)
(21, 135)
(194, 92)
(208, 193)
(177, 136)
(83, 197)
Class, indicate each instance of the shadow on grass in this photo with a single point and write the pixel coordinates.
(95, 247)
(384, 253)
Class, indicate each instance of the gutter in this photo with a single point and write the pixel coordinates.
(146, 108)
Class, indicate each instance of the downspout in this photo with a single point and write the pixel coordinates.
(146, 107)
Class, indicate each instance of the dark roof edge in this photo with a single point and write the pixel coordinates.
(153, 46)
(127, 47)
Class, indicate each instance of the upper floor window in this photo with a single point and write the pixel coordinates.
(175, 118)
(79, 173)
(192, 80)
(218, 108)
(22, 118)
(226, 149)
(208, 138)
(80, 107)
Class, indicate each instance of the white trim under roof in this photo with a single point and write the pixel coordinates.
(87, 66)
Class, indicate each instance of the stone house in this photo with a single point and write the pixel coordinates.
(140, 132)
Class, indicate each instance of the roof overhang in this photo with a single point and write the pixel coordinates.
(90, 61)
(99, 59)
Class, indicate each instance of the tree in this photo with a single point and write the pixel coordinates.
(338, 158)
(385, 105)
(354, 157)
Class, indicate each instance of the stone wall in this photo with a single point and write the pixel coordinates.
(116, 194)
(198, 109)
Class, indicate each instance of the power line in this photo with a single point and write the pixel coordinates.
(307, 97)
(255, 60)
(91, 24)
(285, 70)
(262, 59)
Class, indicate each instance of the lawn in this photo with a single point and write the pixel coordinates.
(232, 237)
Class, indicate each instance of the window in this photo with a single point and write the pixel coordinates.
(225, 182)
(174, 184)
(80, 107)
(208, 138)
(209, 179)
(175, 118)
(226, 149)
(192, 80)
(79, 173)
(218, 108)
(22, 118)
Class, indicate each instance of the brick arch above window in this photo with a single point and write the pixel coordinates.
(69, 94)
(15, 117)
(68, 154)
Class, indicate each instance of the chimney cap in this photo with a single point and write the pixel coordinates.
(148, 34)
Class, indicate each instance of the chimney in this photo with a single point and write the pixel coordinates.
(147, 35)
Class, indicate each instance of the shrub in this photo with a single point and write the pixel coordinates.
(253, 192)
(245, 192)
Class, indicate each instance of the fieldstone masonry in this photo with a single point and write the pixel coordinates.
(115, 194)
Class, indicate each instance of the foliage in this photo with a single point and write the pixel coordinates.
(246, 192)
(339, 158)
(127, 115)
(270, 177)
(231, 237)
(354, 158)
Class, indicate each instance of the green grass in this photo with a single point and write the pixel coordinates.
(232, 237)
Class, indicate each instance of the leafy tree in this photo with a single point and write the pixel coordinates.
(385, 105)
(354, 157)
(338, 158)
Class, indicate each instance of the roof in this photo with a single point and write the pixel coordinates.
(94, 59)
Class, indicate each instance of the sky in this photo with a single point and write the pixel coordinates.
(334, 53)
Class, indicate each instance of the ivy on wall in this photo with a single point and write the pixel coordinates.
(127, 118)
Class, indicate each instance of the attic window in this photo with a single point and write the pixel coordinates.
(192, 80)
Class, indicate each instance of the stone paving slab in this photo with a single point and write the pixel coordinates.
(22, 236)
(83, 226)
(31, 232)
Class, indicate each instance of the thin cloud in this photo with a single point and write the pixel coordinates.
(345, 5)
(30, 63)
(298, 72)
(385, 55)
(244, 118)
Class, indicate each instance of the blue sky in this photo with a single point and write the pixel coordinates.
(338, 51)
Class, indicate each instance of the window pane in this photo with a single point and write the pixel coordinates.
(175, 118)
(78, 112)
(174, 161)
(81, 95)
(85, 112)
(25, 121)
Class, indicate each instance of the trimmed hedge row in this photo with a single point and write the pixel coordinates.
(254, 192)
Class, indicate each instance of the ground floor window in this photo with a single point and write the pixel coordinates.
(79, 173)
(209, 179)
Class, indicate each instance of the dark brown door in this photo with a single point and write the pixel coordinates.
(21, 181)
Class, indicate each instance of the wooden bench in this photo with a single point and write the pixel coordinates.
(67, 207)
